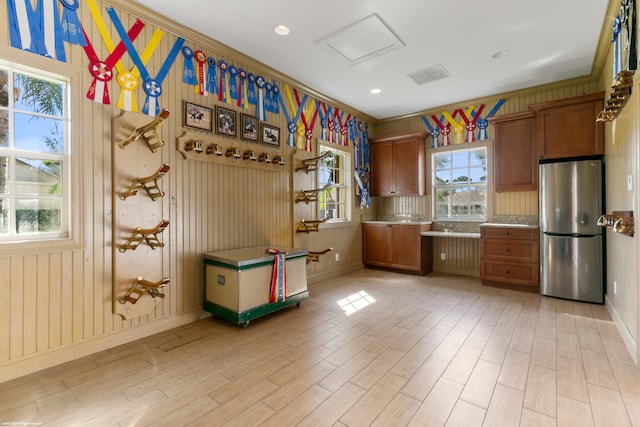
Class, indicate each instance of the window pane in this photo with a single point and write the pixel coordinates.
(38, 176)
(442, 194)
(4, 128)
(478, 158)
(4, 216)
(38, 133)
(442, 161)
(38, 215)
(442, 211)
(478, 174)
(4, 175)
(38, 96)
(443, 177)
(460, 175)
(460, 159)
(4, 88)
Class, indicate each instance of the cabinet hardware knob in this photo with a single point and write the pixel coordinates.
(507, 250)
(506, 233)
(508, 271)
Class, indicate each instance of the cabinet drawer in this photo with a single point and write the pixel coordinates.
(515, 250)
(516, 273)
(510, 233)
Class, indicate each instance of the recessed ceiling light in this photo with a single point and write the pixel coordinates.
(282, 30)
(376, 91)
(500, 54)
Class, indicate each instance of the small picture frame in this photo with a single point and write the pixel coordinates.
(270, 135)
(225, 121)
(198, 117)
(250, 128)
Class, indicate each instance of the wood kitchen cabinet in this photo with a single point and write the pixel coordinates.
(396, 246)
(515, 152)
(398, 164)
(509, 256)
(568, 127)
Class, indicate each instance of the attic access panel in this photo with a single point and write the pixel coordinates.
(362, 40)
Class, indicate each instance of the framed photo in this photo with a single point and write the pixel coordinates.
(270, 135)
(250, 128)
(198, 117)
(225, 121)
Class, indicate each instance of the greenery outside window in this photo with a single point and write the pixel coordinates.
(334, 177)
(34, 155)
(460, 184)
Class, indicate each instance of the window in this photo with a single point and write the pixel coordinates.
(334, 172)
(460, 184)
(34, 155)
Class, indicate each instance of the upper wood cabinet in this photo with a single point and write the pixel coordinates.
(515, 166)
(568, 127)
(398, 164)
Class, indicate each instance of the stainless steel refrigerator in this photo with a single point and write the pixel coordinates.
(571, 243)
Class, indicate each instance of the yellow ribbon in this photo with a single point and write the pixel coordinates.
(128, 80)
(458, 129)
(104, 31)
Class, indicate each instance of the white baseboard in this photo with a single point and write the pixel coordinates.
(629, 340)
(29, 364)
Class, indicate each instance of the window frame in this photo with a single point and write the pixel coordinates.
(28, 63)
(488, 145)
(347, 172)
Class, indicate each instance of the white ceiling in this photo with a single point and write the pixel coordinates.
(547, 40)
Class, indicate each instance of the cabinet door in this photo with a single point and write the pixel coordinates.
(405, 247)
(381, 155)
(568, 128)
(408, 158)
(375, 244)
(516, 153)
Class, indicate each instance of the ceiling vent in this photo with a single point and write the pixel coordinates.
(429, 74)
(362, 40)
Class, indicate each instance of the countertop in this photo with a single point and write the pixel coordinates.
(495, 224)
(399, 222)
(451, 234)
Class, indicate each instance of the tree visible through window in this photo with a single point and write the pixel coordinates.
(334, 174)
(33, 154)
(460, 184)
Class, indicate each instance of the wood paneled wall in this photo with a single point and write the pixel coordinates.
(56, 304)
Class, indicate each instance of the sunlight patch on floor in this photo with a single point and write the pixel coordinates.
(355, 302)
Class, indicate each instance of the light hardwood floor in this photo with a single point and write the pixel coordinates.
(419, 351)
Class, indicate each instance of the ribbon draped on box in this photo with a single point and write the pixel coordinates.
(278, 289)
(152, 86)
(102, 71)
(38, 31)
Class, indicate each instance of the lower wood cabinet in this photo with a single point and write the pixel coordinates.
(396, 246)
(509, 256)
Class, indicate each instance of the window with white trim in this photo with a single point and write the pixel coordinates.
(334, 180)
(460, 184)
(34, 154)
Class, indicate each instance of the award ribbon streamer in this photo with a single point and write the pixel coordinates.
(152, 87)
(261, 112)
(242, 93)
(291, 122)
(312, 112)
(128, 80)
(188, 71)
(483, 123)
(458, 129)
(470, 118)
(223, 87)
(297, 127)
(102, 71)
(38, 31)
(434, 131)
(274, 101)
(323, 118)
(268, 97)
(71, 27)
(445, 130)
(251, 89)
(233, 83)
(212, 77)
(201, 86)
(341, 130)
(328, 126)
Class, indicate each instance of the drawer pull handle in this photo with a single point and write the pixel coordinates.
(507, 250)
(508, 271)
(506, 233)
